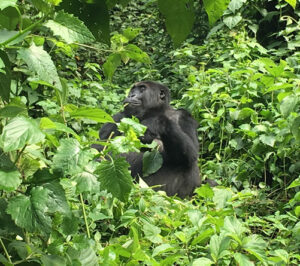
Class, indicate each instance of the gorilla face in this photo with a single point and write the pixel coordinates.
(145, 96)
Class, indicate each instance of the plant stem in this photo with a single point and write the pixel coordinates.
(84, 215)
(5, 251)
(22, 32)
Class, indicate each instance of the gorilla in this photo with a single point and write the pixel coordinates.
(174, 130)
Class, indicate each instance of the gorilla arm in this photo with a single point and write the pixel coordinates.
(179, 146)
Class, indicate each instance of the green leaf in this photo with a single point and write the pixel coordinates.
(53, 260)
(42, 5)
(180, 16)
(234, 228)
(295, 128)
(292, 3)
(9, 18)
(57, 201)
(215, 9)
(256, 246)
(12, 110)
(135, 53)
(94, 114)
(9, 174)
(70, 158)
(221, 197)
(152, 233)
(232, 21)
(5, 3)
(242, 260)
(19, 132)
(288, 105)
(235, 5)
(5, 35)
(40, 62)
(111, 64)
(94, 14)
(70, 28)
(202, 262)
(295, 183)
(30, 212)
(152, 162)
(86, 182)
(162, 249)
(46, 124)
(219, 246)
(114, 176)
(268, 140)
(205, 192)
(5, 78)
(131, 33)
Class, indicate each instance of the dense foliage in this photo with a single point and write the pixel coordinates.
(65, 67)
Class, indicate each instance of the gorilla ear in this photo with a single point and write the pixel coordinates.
(162, 95)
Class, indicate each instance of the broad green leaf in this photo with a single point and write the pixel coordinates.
(40, 62)
(256, 246)
(53, 260)
(235, 5)
(128, 123)
(94, 114)
(162, 249)
(12, 110)
(221, 197)
(268, 140)
(19, 132)
(111, 64)
(234, 228)
(9, 18)
(215, 9)
(205, 192)
(202, 262)
(46, 123)
(86, 182)
(83, 256)
(152, 162)
(135, 53)
(70, 158)
(57, 201)
(30, 212)
(5, 3)
(131, 33)
(114, 176)
(292, 3)
(218, 246)
(5, 78)
(70, 28)
(288, 105)
(179, 16)
(42, 5)
(232, 21)
(283, 255)
(152, 233)
(295, 128)
(242, 260)
(295, 183)
(9, 174)
(203, 236)
(94, 14)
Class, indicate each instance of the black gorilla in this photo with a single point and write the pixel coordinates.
(174, 130)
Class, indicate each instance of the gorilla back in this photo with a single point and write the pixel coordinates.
(176, 132)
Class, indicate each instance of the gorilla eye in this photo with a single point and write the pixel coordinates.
(143, 88)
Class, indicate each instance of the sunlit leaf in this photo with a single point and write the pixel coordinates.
(215, 9)
(70, 158)
(256, 246)
(243, 260)
(19, 132)
(40, 62)
(69, 28)
(94, 114)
